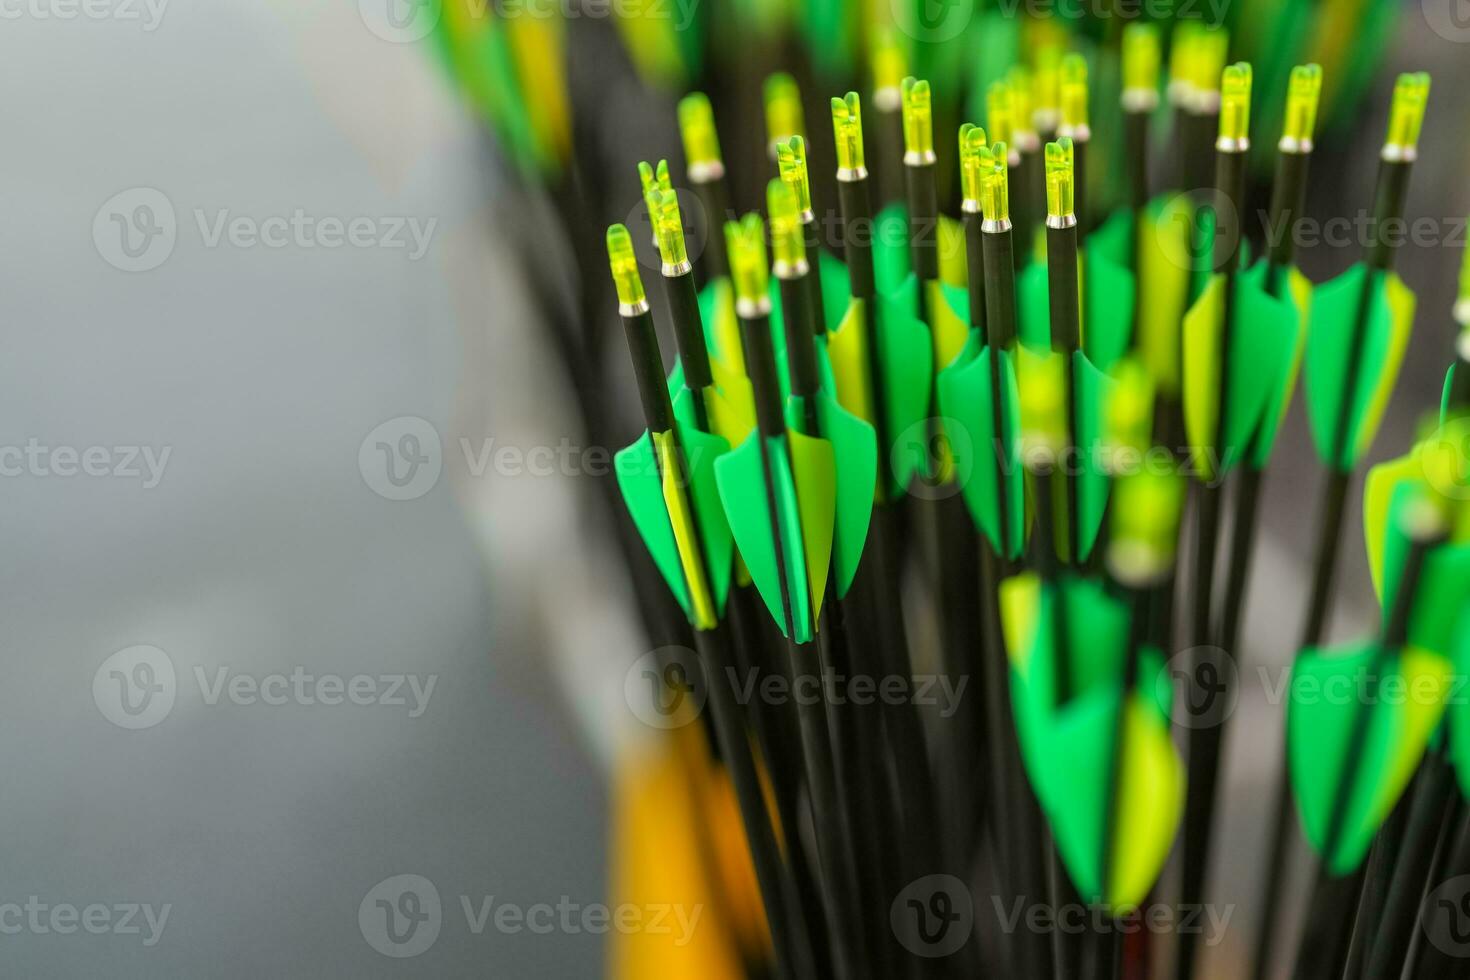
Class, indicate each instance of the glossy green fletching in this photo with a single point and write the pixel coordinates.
(642, 486)
(1263, 342)
(1163, 282)
(1067, 749)
(891, 248)
(1444, 581)
(1322, 713)
(855, 458)
(966, 397)
(1329, 341)
(1459, 711)
(1299, 292)
(1094, 479)
(804, 485)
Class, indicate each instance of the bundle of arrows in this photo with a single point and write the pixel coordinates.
(952, 487)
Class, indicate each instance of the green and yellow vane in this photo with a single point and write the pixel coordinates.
(1352, 746)
(1107, 287)
(978, 391)
(1093, 723)
(1360, 321)
(779, 487)
(878, 350)
(1240, 341)
(511, 72)
(667, 477)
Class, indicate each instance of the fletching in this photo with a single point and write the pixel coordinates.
(804, 491)
(1108, 296)
(1321, 715)
(661, 511)
(1263, 342)
(855, 454)
(966, 399)
(1334, 310)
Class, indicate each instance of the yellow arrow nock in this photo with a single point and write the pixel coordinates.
(624, 265)
(791, 166)
(1406, 118)
(1140, 67)
(973, 165)
(786, 235)
(701, 141)
(745, 240)
(783, 109)
(1235, 109)
(1073, 72)
(847, 130)
(1302, 94)
(918, 122)
(1059, 184)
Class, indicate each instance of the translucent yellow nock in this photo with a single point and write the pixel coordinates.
(1183, 44)
(1141, 62)
(1000, 112)
(1019, 80)
(786, 240)
(668, 231)
(918, 122)
(654, 183)
(701, 142)
(1207, 64)
(1048, 86)
(746, 242)
(1406, 118)
(624, 265)
(1302, 94)
(1235, 108)
(791, 165)
(889, 64)
(1073, 73)
(847, 130)
(995, 196)
(1059, 187)
(972, 165)
(783, 108)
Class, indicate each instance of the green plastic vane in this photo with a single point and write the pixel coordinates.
(891, 250)
(1067, 748)
(1107, 291)
(670, 517)
(1444, 580)
(1299, 290)
(855, 455)
(1459, 710)
(987, 449)
(803, 480)
(1329, 351)
(1438, 469)
(1163, 273)
(1322, 713)
(1263, 343)
(905, 375)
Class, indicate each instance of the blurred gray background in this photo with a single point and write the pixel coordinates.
(269, 364)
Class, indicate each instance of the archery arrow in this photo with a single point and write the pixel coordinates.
(779, 494)
(1357, 331)
(1353, 752)
(670, 494)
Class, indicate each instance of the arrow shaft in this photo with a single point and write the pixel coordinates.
(713, 189)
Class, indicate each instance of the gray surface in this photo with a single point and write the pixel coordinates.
(262, 548)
